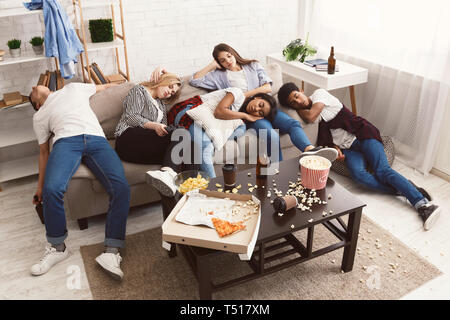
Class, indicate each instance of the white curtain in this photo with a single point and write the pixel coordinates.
(405, 44)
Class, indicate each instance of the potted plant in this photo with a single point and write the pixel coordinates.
(298, 50)
(37, 43)
(14, 47)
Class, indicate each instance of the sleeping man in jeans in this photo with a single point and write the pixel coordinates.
(359, 143)
(78, 138)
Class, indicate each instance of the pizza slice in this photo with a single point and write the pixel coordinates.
(225, 228)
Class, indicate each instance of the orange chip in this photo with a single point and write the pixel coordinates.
(225, 228)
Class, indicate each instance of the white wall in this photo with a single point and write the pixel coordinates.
(178, 34)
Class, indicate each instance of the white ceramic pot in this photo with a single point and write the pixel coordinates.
(38, 50)
(15, 52)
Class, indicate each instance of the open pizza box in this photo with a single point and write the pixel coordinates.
(241, 242)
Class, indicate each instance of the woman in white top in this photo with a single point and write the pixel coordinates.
(229, 69)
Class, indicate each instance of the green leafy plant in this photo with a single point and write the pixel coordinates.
(101, 30)
(298, 50)
(14, 43)
(37, 41)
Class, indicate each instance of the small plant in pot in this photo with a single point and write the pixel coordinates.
(14, 47)
(37, 43)
(298, 50)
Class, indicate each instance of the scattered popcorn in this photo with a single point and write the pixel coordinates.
(249, 174)
(292, 226)
(280, 214)
(220, 189)
(330, 196)
(310, 220)
(235, 190)
(238, 187)
(218, 185)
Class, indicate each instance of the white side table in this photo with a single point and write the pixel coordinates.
(348, 75)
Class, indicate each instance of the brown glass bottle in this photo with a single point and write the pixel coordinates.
(331, 62)
(262, 163)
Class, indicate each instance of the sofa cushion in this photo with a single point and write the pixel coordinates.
(218, 130)
(108, 106)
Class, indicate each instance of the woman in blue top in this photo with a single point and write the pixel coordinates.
(229, 69)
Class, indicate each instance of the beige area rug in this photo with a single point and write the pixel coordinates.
(384, 269)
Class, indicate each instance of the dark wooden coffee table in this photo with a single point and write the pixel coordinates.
(275, 228)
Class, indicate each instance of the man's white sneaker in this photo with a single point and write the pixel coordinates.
(163, 181)
(50, 258)
(328, 153)
(111, 263)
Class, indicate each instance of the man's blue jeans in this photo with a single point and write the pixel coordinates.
(64, 160)
(285, 124)
(385, 179)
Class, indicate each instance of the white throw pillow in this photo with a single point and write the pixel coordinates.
(217, 129)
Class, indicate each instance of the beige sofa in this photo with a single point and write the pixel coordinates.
(85, 195)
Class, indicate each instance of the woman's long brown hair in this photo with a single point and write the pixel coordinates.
(224, 47)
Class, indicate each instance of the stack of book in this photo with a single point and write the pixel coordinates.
(2, 53)
(320, 64)
(324, 67)
(52, 80)
(316, 62)
(99, 77)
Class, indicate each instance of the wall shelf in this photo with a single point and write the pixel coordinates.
(16, 131)
(26, 56)
(9, 135)
(104, 45)
(5, 13)
(119, 38)
(19, 168)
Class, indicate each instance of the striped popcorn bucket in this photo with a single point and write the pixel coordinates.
(314, 171)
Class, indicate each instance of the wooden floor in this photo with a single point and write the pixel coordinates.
(22, 239)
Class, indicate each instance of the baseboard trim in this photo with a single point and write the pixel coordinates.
(440, 174)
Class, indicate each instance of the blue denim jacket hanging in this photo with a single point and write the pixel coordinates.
(60, 38)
